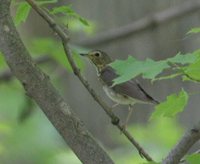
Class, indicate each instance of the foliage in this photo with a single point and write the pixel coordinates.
(131, 68)
(22, 13)
(68, 11)
(150, 69)
(46, 46)
(23, 10)
(75, 26)
(193, 70)
(173, 105)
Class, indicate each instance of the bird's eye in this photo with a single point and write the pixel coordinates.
(97, 54)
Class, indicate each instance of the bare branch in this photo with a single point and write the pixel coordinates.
(186, 142)
(142, 24)
(63, 35)
(39, 88)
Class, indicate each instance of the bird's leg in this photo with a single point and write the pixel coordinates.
(130, 111)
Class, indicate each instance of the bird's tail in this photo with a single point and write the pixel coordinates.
(151, 99)
(156, 102)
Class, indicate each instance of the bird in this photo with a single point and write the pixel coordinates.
(127, 93)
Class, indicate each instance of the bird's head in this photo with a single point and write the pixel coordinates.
(99, 58)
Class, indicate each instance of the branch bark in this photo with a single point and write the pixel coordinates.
(186, 142)
(7, 75)
(142, 24)
(39, 88)
(62, 33)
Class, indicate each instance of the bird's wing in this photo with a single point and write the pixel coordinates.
(130, 88)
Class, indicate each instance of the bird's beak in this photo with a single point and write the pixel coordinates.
(85, 55)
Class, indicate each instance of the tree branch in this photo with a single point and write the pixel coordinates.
(63, 35)
(39, 88)
(186, 142)
(142, 24)
(6, 75)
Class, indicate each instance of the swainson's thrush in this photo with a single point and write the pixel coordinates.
(127, 93)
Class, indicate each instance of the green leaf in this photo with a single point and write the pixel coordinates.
(75, 25)
(194, 30)
(131, 68)
(193, 70)
(22, 13)
(83, 21)
(122, 66)
(149, 69)
(63, 9)
(173, 105)
(185, 59)
(153, 68)
(46, 46)
(193, 158)
(68, 11)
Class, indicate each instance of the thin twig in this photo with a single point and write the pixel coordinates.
(145, 23)
(64, 36)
